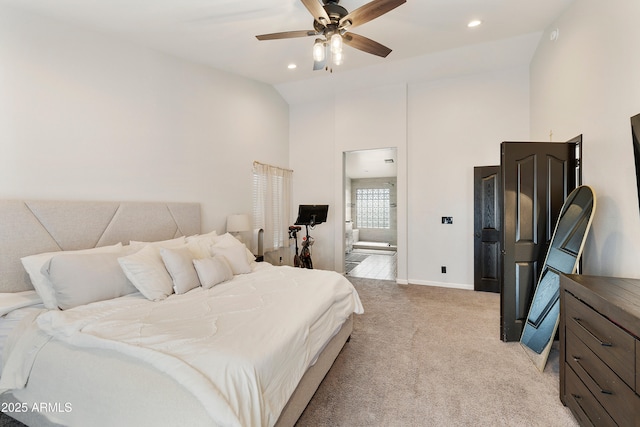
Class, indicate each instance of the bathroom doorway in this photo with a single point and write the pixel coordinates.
(371, 224)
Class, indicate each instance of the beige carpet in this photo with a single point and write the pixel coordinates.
(426, 356)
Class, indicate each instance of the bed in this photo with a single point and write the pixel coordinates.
(249, 348)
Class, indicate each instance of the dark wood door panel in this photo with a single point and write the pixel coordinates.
(490, 255)
(526, 274)
(536, 179)
(487, 229)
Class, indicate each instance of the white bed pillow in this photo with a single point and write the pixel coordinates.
(147, 272)
(33, 265)
(235, 255)
(79, 279)
(201, 236)
(212, 271)
(179, 264)
(227, 240)
(200, 244)
(170, 243)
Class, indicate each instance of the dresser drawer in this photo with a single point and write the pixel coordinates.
(613, 394)
(613, 345)
(584, 406)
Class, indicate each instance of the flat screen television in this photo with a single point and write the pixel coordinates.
(635, 133)
(312, 214)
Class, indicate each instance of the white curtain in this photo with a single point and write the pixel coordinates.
(272, 204)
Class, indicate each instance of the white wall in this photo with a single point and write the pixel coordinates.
(88, 116)
(442, 129)
(454, 125)
(366, 119)
(321, 131)
(311, 157)
(588, 82)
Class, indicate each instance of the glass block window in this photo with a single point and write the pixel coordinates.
(372, 208)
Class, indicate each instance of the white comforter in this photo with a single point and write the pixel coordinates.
(240, 347)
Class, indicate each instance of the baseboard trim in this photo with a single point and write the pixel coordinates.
(440, 284)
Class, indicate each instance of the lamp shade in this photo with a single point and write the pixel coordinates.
(238, 222)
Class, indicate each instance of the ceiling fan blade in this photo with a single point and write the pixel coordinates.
(369, 11)
(365, 44)
(318, 12)
(286, 35)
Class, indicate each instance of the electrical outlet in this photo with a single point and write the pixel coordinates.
(443, 269)
(447, 220)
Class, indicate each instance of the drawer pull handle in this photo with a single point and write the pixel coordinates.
(603, 391)
(602, 343)
(579, 403)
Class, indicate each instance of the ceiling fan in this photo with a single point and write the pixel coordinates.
(332, 25)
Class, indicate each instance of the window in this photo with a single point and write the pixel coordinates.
(372, 207)
(272, 204)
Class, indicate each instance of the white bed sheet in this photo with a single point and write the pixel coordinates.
(12, 311)
(235, 346)
(8, 324)
(16, 300)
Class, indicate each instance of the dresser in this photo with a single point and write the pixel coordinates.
(600, 349)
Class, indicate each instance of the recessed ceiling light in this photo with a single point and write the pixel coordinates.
(292, 66)
(474, 23)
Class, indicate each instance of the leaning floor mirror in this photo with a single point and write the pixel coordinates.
(563, 255)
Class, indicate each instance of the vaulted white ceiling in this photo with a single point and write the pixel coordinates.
(221, 33)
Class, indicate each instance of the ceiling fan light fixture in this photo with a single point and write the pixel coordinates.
(338, 57)
(318, 51)
(332, 22)
(474, 23)
(336, 43)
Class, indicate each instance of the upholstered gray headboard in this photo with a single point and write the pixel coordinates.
(31, 227)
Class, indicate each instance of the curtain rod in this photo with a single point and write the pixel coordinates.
(255, 162)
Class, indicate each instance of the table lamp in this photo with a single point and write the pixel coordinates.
(237, 223)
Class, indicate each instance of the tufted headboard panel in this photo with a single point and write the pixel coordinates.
(30, 227)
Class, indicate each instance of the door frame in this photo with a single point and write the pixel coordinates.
(401, 223)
